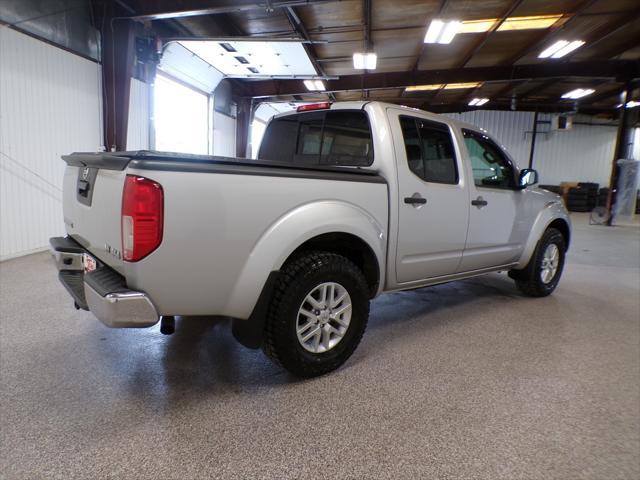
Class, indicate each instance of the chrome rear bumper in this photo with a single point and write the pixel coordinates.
(122, 309)
(103, 291)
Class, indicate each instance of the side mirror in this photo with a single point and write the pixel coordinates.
(528, 176)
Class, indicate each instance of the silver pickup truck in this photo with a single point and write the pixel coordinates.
(345, 201)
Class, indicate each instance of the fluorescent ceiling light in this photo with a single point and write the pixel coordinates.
(314, 85)
(476, 102)
(365, 61)
(442, 32)
(568, 49)
(578, 93)
(477, 26)
(444, 86)
(511, 23)
(560, 48)
(631, 104)
(450, 31)
(434, 31)
(529, 23)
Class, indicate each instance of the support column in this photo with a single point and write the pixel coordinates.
(117, 64)
(533, 138)
(243, 126)
(624, 139)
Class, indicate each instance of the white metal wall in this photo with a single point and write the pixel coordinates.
(139, 116)
(49, 106)
(582, 154)
(224, 135)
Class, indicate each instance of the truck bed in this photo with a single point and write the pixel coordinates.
(228, 221)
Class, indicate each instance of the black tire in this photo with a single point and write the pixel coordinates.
(298, 278)
(528, 280)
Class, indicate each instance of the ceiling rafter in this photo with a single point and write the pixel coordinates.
(587, 69)
(441, 9)
(299, 27)
(489, 33)
(163, 9)
(550, 32)
(611, 28)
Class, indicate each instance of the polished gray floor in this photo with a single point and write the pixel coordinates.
(466, 380)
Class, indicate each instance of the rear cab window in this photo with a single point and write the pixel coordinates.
(327, 137)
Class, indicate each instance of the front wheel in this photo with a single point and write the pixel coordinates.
(541, 275)
(317, 315)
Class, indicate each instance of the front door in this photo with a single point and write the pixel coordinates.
(496, 231)
(433, 204)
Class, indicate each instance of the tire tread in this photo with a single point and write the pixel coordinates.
(275, 325)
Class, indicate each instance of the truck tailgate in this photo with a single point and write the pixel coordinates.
(92, 205)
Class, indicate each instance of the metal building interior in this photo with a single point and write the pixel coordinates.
(461, 380)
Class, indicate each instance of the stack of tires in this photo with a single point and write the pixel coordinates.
(638, 202)
(592, 193)
(578, 200)
(603, 193)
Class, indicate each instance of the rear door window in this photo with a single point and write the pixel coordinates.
(429, 148)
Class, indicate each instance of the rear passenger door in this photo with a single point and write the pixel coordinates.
(433, 208)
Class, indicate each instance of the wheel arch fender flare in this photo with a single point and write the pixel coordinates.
(553, 214)
(290, 231)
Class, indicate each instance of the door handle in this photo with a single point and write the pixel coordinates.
(416, 199)
(479, 202)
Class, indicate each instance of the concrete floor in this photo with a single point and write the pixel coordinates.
(466, 380)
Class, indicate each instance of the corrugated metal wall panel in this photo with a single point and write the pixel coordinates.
(139, 116)
(49, 105)
(582, 154)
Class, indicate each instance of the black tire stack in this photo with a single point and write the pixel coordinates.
(603, 193)
(638, 202)
(592, 194)
(578, 200)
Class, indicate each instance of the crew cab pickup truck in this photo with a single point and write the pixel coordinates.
(344, 202)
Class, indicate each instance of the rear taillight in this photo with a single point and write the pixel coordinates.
(142, 217)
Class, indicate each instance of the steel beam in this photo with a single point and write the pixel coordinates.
(590, 69)
(163, 9)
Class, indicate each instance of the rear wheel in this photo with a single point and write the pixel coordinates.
(317, 315)
(541, 275)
